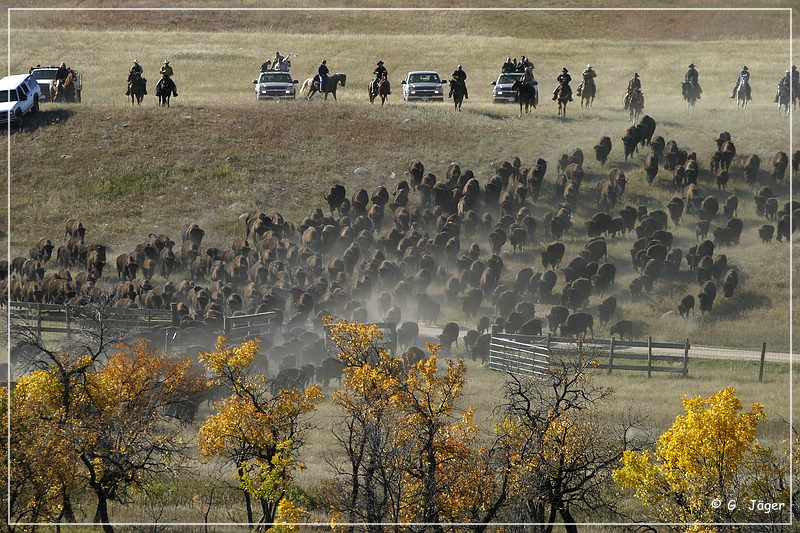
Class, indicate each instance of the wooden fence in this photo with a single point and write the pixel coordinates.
(528, 354)
(69, 319)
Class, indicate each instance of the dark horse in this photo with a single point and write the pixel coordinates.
(691, 92)
(63, 91)
(138, 87)
(587, 92)
(164, 89)
(526, 95)
(635, 105)
(743, 95)
(457, 90)
(783, 99)
(383, 90)
(562, 97)
(311, 86)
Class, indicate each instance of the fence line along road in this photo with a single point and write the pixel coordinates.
(698, 351)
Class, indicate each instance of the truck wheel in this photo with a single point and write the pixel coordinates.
(35, 108)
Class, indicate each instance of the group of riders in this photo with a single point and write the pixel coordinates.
(690, 84)
(136, 77)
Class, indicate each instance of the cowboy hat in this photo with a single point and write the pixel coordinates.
(691, 65)
(589, 65)
(166, 61)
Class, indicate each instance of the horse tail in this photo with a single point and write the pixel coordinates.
(305, 87)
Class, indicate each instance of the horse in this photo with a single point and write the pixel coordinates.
(310, 87)
(383, 90)
(526, 95)
(457, 90)
(562, 96)
(783, 99)
(164, 89)
(138, 87)
(691, 93)
(587, 92)
(635, 105)
(63, 91)
(742, 95)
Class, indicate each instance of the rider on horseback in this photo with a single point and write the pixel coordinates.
(588, 79)
(527, 78)
(322, 73)
(380, 71)
(784, 83)
(62, 73)
(459, 76)
(744, 79)
(166, 75)
(796, 81)
(690, 79)
(563, 79)
(136, 70)
(634, 87)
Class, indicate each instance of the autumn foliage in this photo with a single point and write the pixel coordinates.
(709, 453)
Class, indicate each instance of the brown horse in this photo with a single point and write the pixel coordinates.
(562, 96)
(383, 90)
(635, 105)
(64, 91)
(458, 89)
(311, 87)
(138, 87)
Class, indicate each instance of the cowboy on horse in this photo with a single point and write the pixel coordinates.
(136, 71)
(785, 83)
(588, 79)
(379, 72)
(744, 79)
(62, 73)
(166, 77)
(459, 76)
(691, 80)
(563, 80)
(634, 87)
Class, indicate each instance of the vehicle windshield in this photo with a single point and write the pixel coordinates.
(508, 79)
(275, 77)
(424, 78)
(8, 96)
(45, 74)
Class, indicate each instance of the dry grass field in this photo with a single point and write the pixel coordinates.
(217, 153)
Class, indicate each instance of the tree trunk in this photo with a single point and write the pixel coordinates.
(247, 503)
(101, 515)
(569, 521)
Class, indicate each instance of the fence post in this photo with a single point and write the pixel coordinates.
(611, 356)
(66, 315)
(649, 356)
(761, 364)
(548, 342)
(39, 321)
(176, 319)
(686, 358)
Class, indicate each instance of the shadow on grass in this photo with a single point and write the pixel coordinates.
(43, 118)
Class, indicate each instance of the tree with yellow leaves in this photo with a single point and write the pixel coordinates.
(413, 451)
(258, 431)
(114, 435)
(708, 467)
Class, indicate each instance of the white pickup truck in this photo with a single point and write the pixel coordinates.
(19, 95)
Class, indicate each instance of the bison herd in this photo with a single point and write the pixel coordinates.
(437, 247)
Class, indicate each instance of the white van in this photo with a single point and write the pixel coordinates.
(19, 95)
